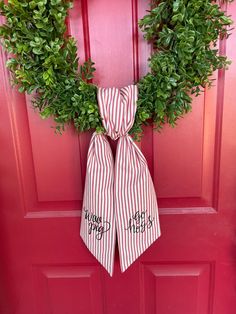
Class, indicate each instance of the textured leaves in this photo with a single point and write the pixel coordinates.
(45, 62)
(184, 34)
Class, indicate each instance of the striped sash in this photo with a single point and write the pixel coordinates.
(118, 199)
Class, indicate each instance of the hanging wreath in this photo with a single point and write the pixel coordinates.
(184, 36)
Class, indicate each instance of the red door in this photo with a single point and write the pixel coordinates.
(44, 266)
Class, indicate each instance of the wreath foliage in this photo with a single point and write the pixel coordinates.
(183, 34)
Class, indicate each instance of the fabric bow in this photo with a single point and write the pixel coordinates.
(118, 199)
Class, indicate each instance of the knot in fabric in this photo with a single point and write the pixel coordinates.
(117, 109)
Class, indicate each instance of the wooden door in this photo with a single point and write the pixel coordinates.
(44, 266)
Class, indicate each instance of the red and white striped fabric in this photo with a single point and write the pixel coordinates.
(118, 199)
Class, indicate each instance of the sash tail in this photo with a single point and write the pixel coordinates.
(135, 203)
(98, 218)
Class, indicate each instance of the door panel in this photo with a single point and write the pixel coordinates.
(44, 266)
(192, 279)
(74, 288)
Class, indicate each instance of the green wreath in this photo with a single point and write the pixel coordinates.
(184, 35)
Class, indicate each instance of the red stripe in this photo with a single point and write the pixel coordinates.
(124, 196)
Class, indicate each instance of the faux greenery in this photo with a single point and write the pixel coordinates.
(45, 62)
(183, 33)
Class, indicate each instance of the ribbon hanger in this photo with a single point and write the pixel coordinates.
(119, 198)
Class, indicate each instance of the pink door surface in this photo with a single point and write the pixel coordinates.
(44, 266)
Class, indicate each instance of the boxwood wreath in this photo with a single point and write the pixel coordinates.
(44, 62)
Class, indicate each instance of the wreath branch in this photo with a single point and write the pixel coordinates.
(184, 36)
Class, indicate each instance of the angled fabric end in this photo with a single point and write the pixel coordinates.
(135, 203)
(98, 219)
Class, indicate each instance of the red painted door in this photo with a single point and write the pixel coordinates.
(44, 266)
